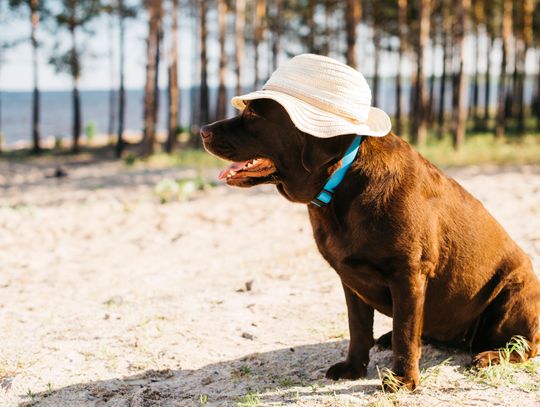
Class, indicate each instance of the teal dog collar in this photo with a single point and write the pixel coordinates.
(325, 196)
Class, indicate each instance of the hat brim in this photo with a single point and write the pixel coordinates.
(318, 122)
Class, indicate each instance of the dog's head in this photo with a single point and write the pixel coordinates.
(266, 147)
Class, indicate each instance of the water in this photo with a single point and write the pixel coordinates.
(56, 112)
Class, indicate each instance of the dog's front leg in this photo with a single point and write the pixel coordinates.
(361, 332)
(408, 295)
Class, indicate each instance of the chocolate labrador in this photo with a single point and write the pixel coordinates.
(405, 239)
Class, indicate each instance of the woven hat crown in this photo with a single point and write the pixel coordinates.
(325, 83)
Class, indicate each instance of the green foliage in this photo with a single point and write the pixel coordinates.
(506, 372)
(90, 131)
(168, 189)
(58, 140)
(250, 399)
(482, 149)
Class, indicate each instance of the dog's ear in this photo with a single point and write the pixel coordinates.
(317, 152)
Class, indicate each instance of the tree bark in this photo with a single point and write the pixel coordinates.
(476, 90)
(112, 105)
(222, 91)
(257, 38)
(204, 109)
(276, 34)
(36, 142)
(353, 12)
(150, 102)
(419, 130)
(487, 94)
(447, 69)
(76, 99)
(310, 17)
(376, 60)
(402, 30)
(173, 94)
(528, 9)
(506, 32)
(121, 91)
(239, 39)
(460, 114)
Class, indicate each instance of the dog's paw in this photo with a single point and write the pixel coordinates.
(393, 383)
(346, 370)
(485, 359)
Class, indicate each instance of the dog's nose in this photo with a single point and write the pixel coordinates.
(206, 133)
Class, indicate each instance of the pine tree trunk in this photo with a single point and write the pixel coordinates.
(240, 23)
(173, 94)
(528, 9)
(537, 98)
(446, 43)
(310, 17)
(506, 32)
(222, 91)
(402, 30)
(150, 91)
(257, 38)
(204, 109)
(419, 129)
(376, 60)
(476, 95)
(352, 18)
(460, 114)
(112, 108)
(121, 92)
(276, 34)
(487, 95)
(36, 142)
(76, 99)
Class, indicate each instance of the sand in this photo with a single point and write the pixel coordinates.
(110, 298)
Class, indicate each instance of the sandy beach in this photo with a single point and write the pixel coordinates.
(110, 298)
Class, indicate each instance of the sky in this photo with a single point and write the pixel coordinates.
(16, 69)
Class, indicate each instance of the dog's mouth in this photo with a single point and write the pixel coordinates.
(254, 171)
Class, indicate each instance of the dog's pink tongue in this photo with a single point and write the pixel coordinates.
(232, 167)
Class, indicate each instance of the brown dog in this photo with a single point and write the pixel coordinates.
(406, 240)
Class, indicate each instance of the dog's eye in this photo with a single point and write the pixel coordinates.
(250, 113)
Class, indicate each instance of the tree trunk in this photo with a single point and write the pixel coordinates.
(476, 87)
(36, 142)
(112, 108)
(204, 112)
(150, 101)
(173, 94)
(487, 95)
(76, 99)
(239, 37)
(506, 32)
(537, 98)
(353, 12)
(402, 30)
(276, 34)
(446, 43)
(121, 92)
(222, 92)
(528, 9)
(376, 60)
(460, 114)
(419, 130)
(310, 17)
(257, 37)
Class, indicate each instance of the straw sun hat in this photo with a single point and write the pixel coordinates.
(324, 98)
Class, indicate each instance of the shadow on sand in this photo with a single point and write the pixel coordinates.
(270, 378)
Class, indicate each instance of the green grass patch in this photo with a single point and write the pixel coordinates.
(193, 158)
(249, 399)
(525, 375)
(483, 149)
